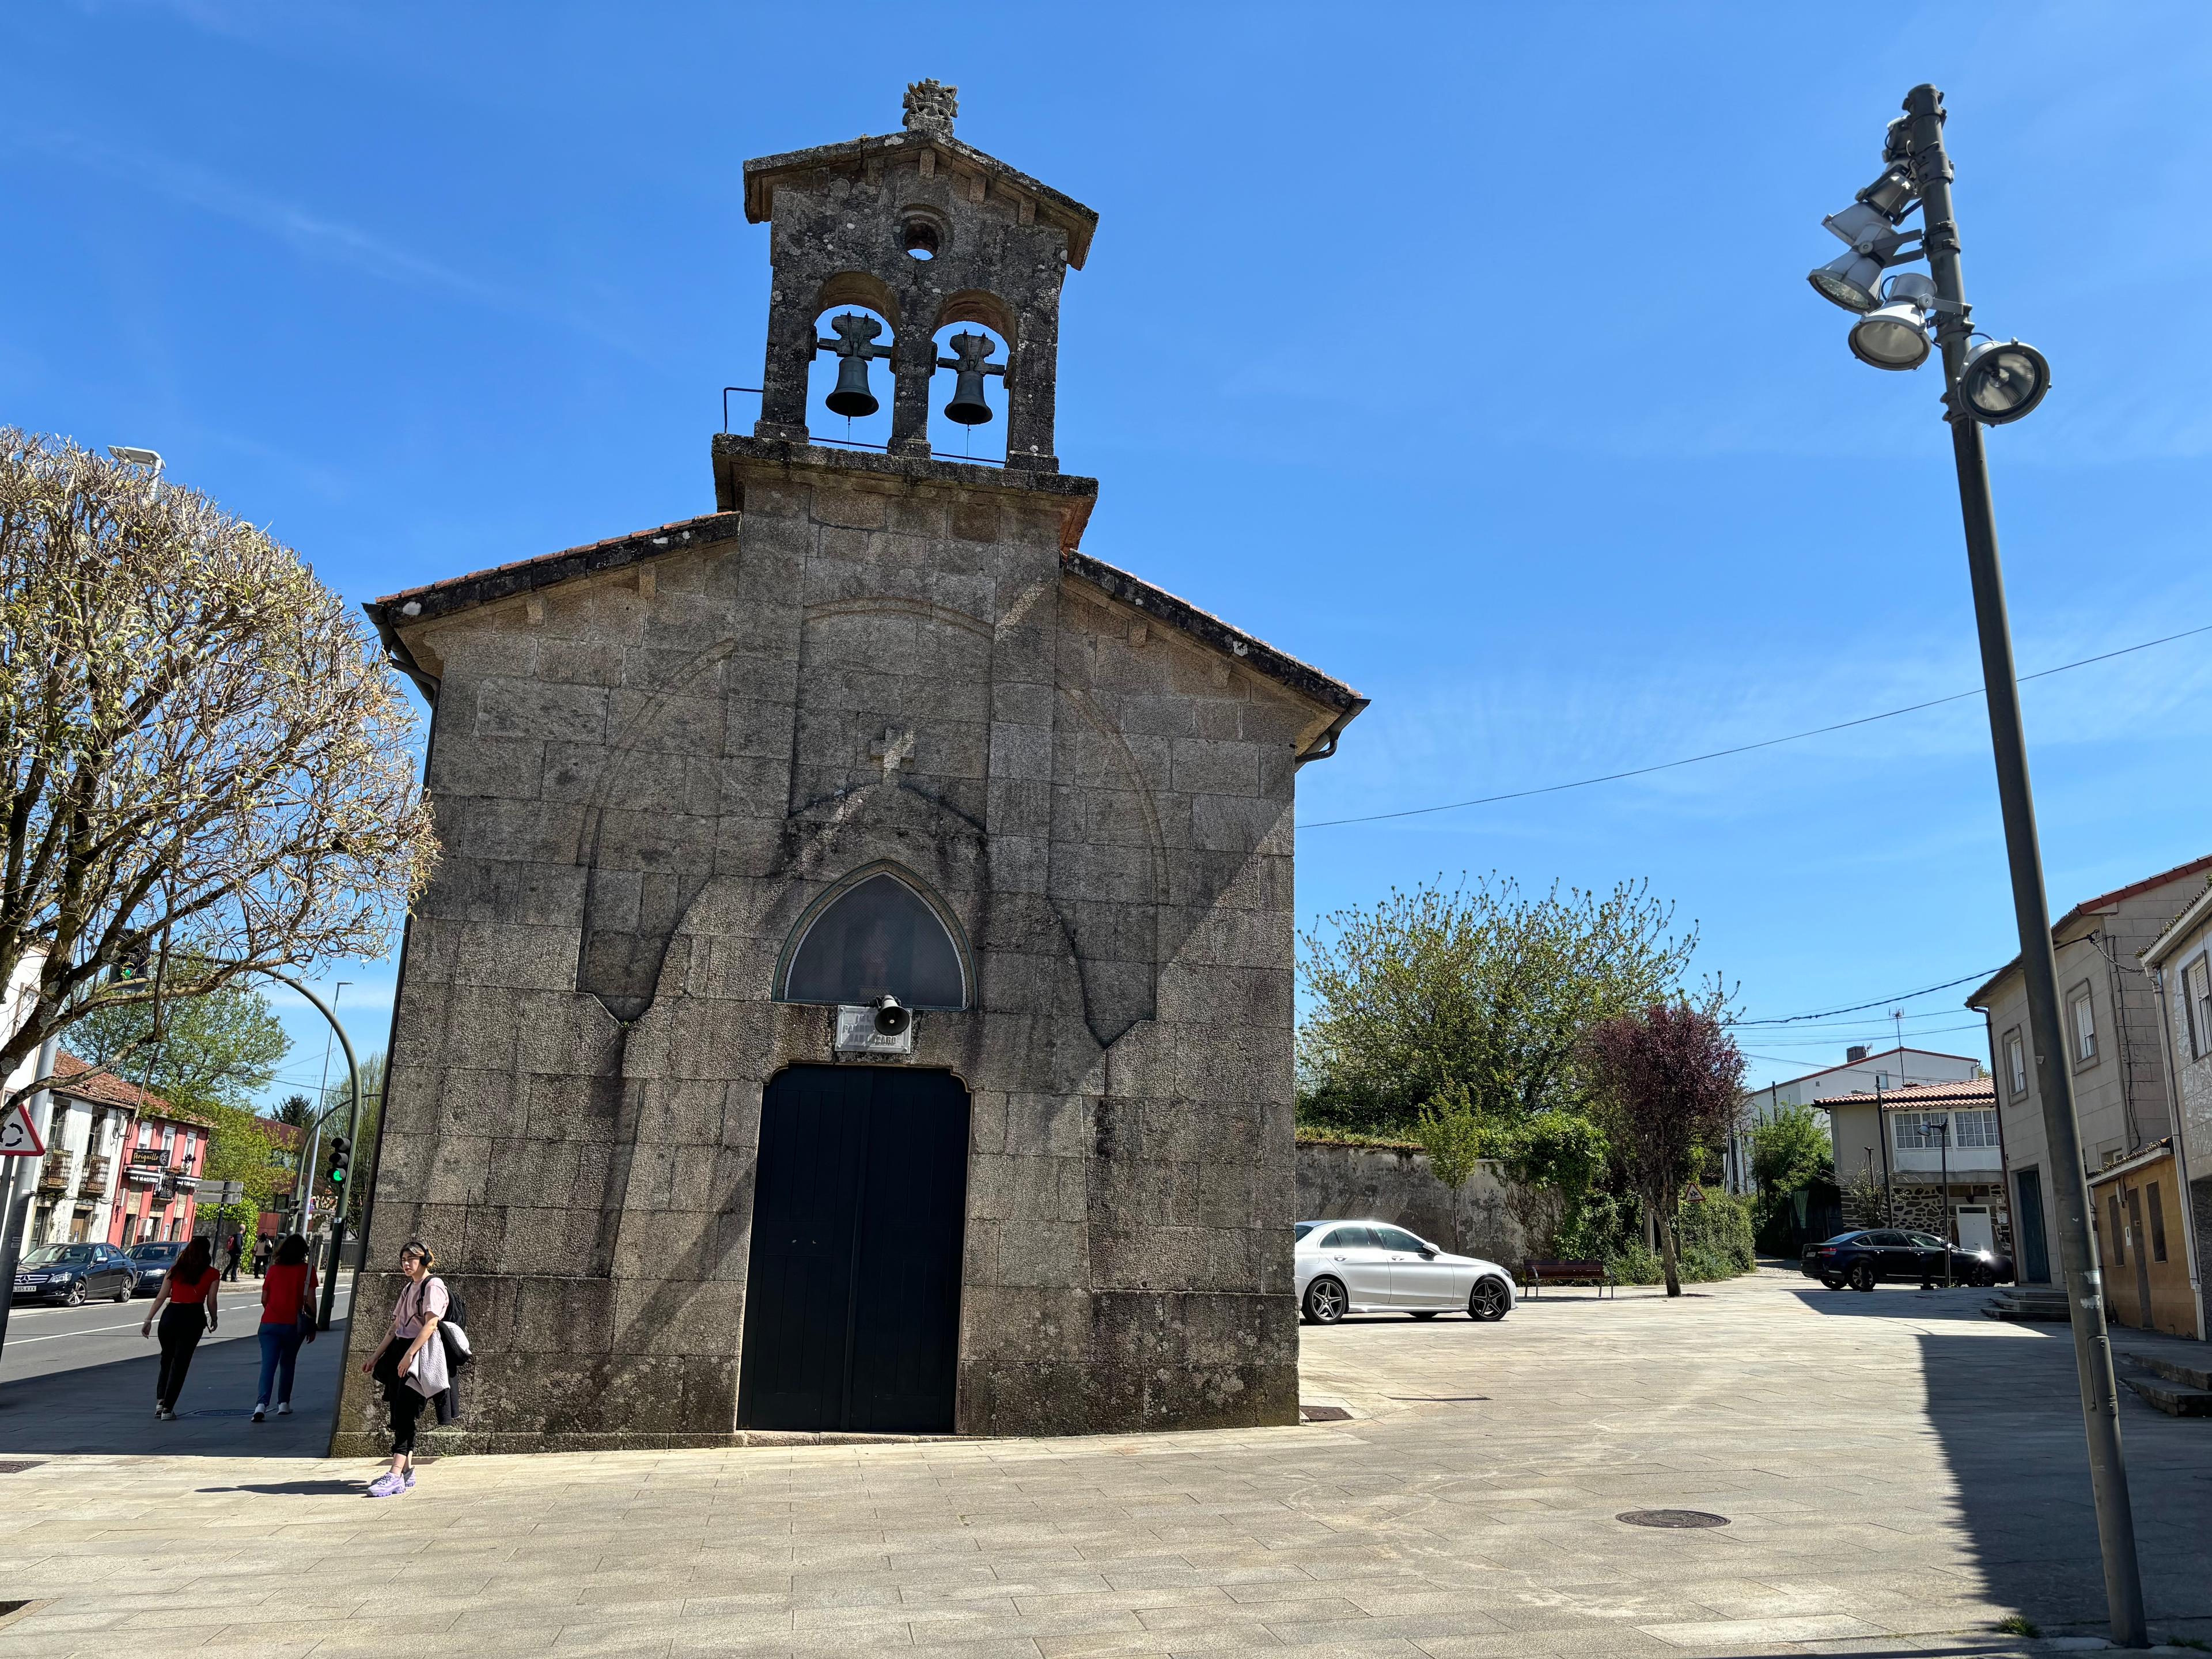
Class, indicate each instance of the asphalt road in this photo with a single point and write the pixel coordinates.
(44, 1340)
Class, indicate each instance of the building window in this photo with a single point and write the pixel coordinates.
(878, 937)
(2016, 1063)
(2119, 1238)
(2082, 1014)
(1974, 1129)
(2197, 1005)
(2157, 1223)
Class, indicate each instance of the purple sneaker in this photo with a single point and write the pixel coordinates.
(386, 1486)
(408, 1481)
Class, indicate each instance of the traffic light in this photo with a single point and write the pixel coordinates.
(334, 1169)
(134, 967)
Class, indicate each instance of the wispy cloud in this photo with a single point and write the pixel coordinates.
(314, 235)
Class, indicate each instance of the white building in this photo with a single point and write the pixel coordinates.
(1863, 1073)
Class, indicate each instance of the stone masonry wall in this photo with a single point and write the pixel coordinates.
(1337, 1181)
(642, 779)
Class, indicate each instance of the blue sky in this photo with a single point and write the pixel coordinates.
(1463, 351)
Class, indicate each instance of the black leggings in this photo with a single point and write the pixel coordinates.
(406, 1407)
(181, 1329)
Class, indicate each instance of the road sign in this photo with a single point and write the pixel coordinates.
(19, 1136)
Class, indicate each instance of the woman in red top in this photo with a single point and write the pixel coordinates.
(186, 1307)
(287, 1319)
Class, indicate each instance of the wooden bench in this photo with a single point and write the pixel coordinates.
(1536, 1274)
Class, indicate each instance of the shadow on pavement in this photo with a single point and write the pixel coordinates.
(109, 1409)
(2006, 1407)
(296, 1488)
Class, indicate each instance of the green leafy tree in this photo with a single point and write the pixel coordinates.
(296, 1109)
(1790, 1150)
(1478, 988)
(1669, 1082)
(239, 1149)
(219, 1050)
(1450, 1132)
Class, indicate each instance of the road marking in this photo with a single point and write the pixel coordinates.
(94, 1330)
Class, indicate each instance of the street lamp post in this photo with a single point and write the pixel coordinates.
(353, 1139)
(1991, 383)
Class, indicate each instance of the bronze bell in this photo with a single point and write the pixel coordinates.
(851, 395)
(967, 406)
(853, 345)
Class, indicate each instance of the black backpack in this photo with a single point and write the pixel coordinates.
(457, 1356)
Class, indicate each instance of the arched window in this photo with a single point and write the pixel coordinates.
(877, 937)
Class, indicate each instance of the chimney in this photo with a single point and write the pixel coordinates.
(1854, 1054)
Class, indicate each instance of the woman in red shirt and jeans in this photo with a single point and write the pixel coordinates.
(287, 1319)
(187, 1305)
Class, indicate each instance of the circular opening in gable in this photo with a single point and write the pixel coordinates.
(920, 238)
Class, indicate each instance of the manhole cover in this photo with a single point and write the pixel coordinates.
(1325, 1413)
(1671, 1518)
(222, 1411)
(17, 1466)
(1437, 1399)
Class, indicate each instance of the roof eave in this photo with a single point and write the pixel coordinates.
(761, 172)
(1211, 631)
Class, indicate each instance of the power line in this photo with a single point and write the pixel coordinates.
(1743, 748)
(1830, 1041)
(1861, 1007)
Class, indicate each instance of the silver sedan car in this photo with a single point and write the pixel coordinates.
(1371, 1267)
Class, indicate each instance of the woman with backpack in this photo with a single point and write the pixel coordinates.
(287, 1319)
(411, 1364)
(186, 1307)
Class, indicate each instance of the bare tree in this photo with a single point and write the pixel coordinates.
(1668, 1081)
(205, 766)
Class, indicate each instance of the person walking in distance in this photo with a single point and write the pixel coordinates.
(287, 1319)
(263, 1248)
(230, 1253)
(411, 1364)
(186, 1309)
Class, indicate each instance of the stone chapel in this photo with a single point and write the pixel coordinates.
(856, 997)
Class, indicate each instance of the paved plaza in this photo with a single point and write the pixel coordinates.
(1898, 1475)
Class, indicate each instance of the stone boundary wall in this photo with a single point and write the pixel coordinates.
(1336, 1181)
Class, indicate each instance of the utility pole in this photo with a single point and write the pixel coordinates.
(21, 1184)
(1922, 134)
(1944, 1129)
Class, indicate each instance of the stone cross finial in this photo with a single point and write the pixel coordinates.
(930, 107)
(896, 749)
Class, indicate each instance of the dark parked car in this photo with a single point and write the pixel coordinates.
(151, 1261)
(1863, 1259)
(73, 1272)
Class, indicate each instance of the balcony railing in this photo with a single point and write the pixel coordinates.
(93, 1182)
(54, 1174)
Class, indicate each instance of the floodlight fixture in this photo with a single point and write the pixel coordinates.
(1853, 280)
(1893, 194)
(1894, 335)
(2003, 380)
(130, 457)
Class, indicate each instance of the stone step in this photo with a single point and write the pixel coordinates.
(2173, 1370)
(2033, 1304)
(2171, 1397)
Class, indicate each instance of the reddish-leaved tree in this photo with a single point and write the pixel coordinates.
(1668, 1081)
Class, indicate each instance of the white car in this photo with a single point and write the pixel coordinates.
(1371, 1267)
